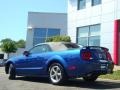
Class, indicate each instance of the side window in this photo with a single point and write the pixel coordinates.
(40, 49)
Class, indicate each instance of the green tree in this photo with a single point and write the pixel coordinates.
(6, 40)
(20, 43)
(8, 46)
(59, 39)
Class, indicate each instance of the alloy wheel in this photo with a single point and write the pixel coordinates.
(55, 74)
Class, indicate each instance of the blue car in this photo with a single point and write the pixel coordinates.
(61, 61)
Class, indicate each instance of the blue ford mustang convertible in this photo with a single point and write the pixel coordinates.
(60, 61)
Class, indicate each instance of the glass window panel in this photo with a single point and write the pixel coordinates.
(40, 49)
(40, 32)
(83, 41)
(38, 40)
(35, 50)
(91, 33)
(94, 41)
(81, 4)
(96, 2)
(95, 30)
(83, 32)
(53, 32)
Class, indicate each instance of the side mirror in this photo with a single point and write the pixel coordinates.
(26, 53)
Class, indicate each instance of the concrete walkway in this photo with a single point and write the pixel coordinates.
(116, 68)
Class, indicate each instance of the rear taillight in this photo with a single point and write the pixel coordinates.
(86, 55)
(108, 56)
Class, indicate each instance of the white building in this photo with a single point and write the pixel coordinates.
(17, 53)
(44, 25)
(95, 22)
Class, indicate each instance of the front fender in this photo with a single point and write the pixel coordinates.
(7, 63)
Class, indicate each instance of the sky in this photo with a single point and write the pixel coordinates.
(13, 15)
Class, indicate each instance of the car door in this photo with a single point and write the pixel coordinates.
(33, 63)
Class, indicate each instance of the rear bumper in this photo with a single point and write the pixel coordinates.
(99, 68)
(104, 67)
(104, 71)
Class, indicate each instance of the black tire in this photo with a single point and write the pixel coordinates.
(12, 74)
(63, 77)
(90, 78)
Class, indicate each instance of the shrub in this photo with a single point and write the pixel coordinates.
(59, 39)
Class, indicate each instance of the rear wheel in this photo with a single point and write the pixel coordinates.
(12, 74)
(57, 74)
(90, 77)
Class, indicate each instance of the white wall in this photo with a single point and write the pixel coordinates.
(45, 20)
(17, 53)
(104, 13)
(29, 38)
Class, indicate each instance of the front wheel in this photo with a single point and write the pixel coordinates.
(12, 74)
(90, 77)
(57, 74)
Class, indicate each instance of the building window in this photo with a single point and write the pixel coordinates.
(83, 34)
(41, 34)
(81, 4)
(89, 35)
(53, 32)
(96, 2)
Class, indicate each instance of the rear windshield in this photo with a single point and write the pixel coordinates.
(71, 45)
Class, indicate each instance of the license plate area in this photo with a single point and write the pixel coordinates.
(104, 66)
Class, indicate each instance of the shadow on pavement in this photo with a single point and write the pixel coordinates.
(34, 79)
(93, 85)
(77, 83)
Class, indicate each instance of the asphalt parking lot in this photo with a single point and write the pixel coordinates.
(30, 83)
